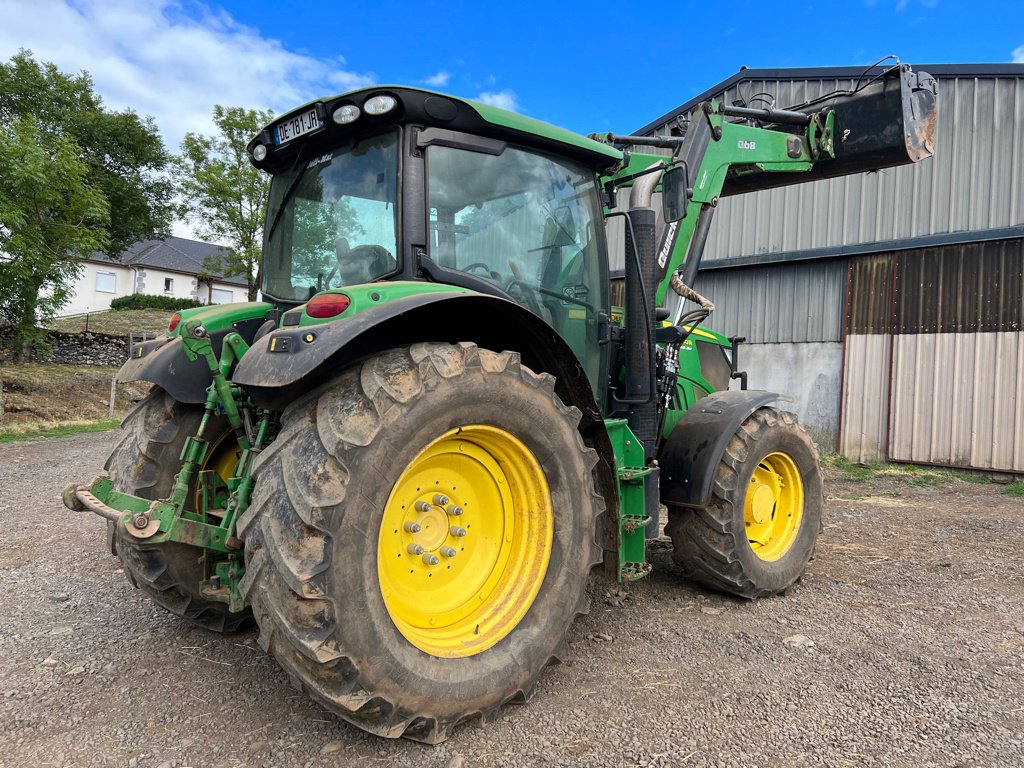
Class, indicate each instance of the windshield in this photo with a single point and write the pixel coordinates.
(332, 221)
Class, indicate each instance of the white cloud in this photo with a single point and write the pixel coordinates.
(439, 80)
(1018, 55)
(505, 99)
(148, 55)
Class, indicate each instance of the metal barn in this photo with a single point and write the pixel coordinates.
(889, 305)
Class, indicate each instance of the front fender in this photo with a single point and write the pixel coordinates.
(689, 458)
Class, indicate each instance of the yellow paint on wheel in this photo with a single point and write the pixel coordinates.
(774, 506)
(222, 457)
(465, 541)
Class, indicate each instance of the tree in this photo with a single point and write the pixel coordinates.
(74, 178)
(124, 153)
(223, 194)
(52, 213)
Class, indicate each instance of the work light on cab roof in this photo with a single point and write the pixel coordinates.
(380, 104)
(346, 113)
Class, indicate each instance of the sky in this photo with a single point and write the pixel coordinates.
(584, 66)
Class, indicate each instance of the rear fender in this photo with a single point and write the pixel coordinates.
(689, 458)
(289, 362)
(163, 362)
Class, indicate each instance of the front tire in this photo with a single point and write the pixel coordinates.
(758, 533)
(347, 537)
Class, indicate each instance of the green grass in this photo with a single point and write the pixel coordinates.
(38, 430)
(1014, 489)
(116, 322)
(850, 472)
(910, 474)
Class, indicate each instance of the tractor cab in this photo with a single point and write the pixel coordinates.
(401, 184)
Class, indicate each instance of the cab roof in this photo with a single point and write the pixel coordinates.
(431, 109)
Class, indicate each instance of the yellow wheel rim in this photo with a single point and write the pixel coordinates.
(774, 506)
(465, 541)
(222, 458)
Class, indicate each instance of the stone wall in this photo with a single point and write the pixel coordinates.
(73, 348)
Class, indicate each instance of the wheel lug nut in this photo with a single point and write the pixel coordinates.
(415, 549)
(440, 499)
(430, 559)
(412, 527)
(454, 510)
(448, 551)
(422, 506)
(457, 531)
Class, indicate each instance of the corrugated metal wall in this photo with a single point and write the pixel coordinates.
(781, 303)
(958, 399)
(865, 399)
(791, 316)
(866, 371)
(934, 362)
(973, 183)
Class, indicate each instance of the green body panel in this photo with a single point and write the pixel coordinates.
(630, 471)
(219, 317)
(690, 382)
(529, 126)
(363, 297)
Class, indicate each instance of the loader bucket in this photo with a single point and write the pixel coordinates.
(888, 122)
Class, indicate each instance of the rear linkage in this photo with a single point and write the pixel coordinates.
(211, 526)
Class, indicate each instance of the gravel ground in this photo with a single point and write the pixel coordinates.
(904, 645)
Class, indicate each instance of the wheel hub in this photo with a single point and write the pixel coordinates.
(433, 529)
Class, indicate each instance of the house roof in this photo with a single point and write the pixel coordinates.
(174, 254)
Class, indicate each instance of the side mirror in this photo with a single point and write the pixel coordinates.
(675, 193)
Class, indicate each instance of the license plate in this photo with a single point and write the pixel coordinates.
(298, 125)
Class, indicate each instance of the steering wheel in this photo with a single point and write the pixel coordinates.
(529, 292)
(489, 273)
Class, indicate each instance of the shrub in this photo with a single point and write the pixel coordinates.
(144, 301)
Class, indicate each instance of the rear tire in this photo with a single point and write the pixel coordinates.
(354, 616)
(758, 533)
(144, 464)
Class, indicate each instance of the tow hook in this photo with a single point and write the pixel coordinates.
(79, 497)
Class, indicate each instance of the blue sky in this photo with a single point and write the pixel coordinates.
(567, 63)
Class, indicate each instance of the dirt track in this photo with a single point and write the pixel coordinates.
(912, 653)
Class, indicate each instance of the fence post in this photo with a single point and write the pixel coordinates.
(113, 394)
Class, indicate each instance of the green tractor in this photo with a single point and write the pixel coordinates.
(405, 463)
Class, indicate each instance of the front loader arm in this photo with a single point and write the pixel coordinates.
(889, 122)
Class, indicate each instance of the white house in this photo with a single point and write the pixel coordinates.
(169, 267)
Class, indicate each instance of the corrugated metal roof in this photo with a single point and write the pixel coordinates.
(784, 303)
(826, 73)
(973, 184)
